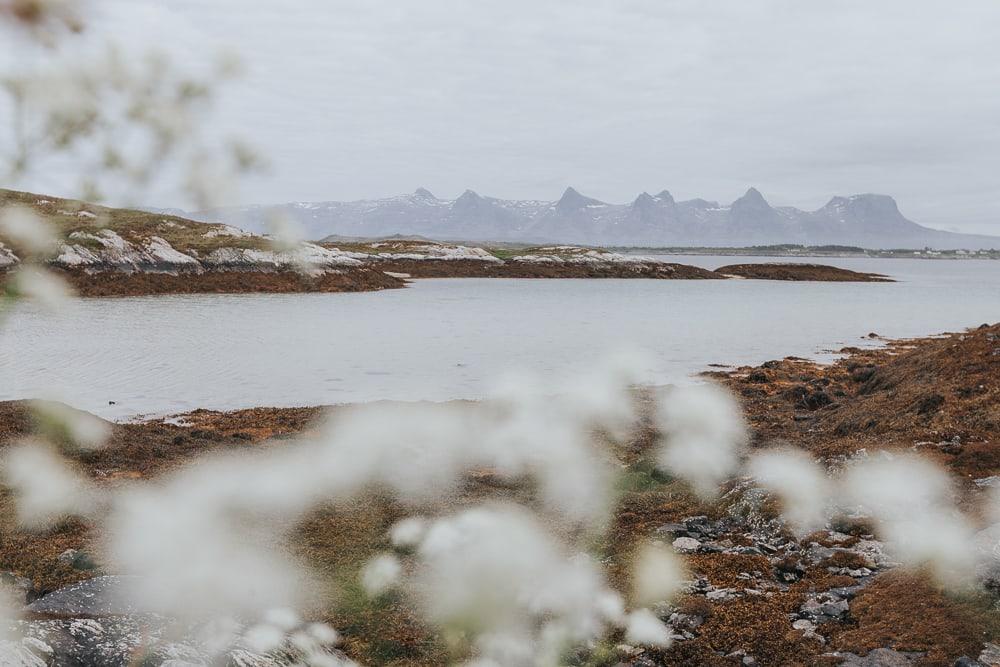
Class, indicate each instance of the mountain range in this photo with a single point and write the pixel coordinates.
(866, 220)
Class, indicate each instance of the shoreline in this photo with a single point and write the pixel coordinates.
(935, 395)
(115, 284)
(382, 274)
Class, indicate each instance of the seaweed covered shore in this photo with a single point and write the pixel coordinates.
(759, 595)
(798, 271)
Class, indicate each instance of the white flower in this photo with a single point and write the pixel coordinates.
(46, 487)
(43, 286)
(912, 502)
(286, 234)
(283, 618)
(323, 634)
(264, 638)
(800, 483)
(657, 574)
(26, 231)
(407, 533)
(380, 574)
(83, 429)
(646, 629)
(703, 433)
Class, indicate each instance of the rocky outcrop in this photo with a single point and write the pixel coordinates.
(95, 622)
(106, 250)
(436, 260)
(7, 257)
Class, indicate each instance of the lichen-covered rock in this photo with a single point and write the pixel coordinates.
(7, 257)
(100, 596)
(107, 250)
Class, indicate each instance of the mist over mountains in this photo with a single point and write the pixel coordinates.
(866, 220)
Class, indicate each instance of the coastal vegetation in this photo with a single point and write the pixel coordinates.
(757, 588)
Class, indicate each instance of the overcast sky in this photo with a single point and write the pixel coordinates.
(355, 99)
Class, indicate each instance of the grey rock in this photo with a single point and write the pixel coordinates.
(101, 596)
(128, 640)
(836, 536)
(986, 544)
(880, 657)
(837, 608)
(811, 607)
(745, 504)
(874, 551)
(816, 553)
(699, 585)
(685, 621)
(722, 594)
(847, 592)
(24, 653)
(966, 661)
(686, 545)
(78, 560)
(990, 655)
(671, 529)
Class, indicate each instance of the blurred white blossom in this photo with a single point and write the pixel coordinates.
(407, 533)
(703, 435)
(498, 573)
(912, 501)
(26, 232)
(646, 629)
(81, 429)
(46, 486)
(380, 574)
(658, 574)
(40, 285)
(799, 481)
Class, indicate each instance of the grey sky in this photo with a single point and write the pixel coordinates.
(519, 98)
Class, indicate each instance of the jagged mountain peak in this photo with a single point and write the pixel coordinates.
(468, 201)
(866, 220)
(752, 198)
(864, 205)
(874, 207)
(664, 195)
(424, 193)
(572, 200)
(648, 202)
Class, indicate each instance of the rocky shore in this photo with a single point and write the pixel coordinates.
(146, 283)
(758, 595)
(439, 260)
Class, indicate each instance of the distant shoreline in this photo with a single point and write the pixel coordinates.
(806, 251)
(381, 273)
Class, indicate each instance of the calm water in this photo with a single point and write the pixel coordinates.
(452, 338)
